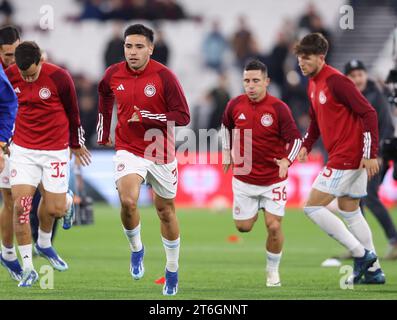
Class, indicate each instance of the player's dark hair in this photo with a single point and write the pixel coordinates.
(139, 29)
(313, 43)
(26, 54)
(8, 35)
(256, 65)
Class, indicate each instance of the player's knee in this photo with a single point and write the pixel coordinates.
(274, 228)
(57, 210)
(165, 213)
(128, 203)
(244, 226)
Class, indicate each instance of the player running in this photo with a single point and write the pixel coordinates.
(9, 39)
(263, 123)
(150, 102)
(348, 126)
(47, 125)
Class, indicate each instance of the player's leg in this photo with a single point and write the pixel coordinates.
(22, 199)
(273, 201)
(170, 235)
(52, 206)
(8, 255)
(380, 212)
(350, 210)
(128, 188)
(164, 181)
(274, 246)
(321, 195)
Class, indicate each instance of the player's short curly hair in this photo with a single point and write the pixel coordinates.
(26, 54)
(141, 30)
(313, 43)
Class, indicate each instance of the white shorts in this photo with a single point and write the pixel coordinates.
(50, 167)
(249, 198)
(351, 183)
(162, 177)
(5, 174)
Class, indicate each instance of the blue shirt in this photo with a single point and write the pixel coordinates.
(8, 107)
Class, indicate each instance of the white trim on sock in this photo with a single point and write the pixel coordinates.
(134, 238)
(171, 248)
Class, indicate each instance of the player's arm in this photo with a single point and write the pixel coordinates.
(290, 133)
(310, 137)
(175, 100)
(8, 111)
(344, 91)
(105, 109)
(226, 135)
(68, 97)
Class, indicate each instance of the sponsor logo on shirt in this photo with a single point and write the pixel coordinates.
(322, 98)
(242, 117)
(44, 93)
(267, 120)
(120, 87)
(17, 90)
(150, 90)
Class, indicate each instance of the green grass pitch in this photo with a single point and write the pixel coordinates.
(210, 266)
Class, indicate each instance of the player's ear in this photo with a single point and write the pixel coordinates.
(151, 49)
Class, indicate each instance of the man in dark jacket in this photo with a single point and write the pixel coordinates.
(357, 72)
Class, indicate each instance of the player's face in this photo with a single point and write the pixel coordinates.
(360, 78)
(137, 51)
(32, 73)
(310, 64)
(255, 84)
(7, 53)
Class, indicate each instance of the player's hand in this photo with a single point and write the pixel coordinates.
(135, 116)
(371, 165)
(283, 166)
(302, 155)
(109, 143)
(83, 156)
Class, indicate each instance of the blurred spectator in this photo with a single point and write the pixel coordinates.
(220, 96)
(93, 9)
(87, 98)
(170, 10)
(161, 50)
(214, 48)
(305, 20)
(115, 48)
(130, 10)
(277, 59)
(7, 10)
(202, 112)
(242, 42)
